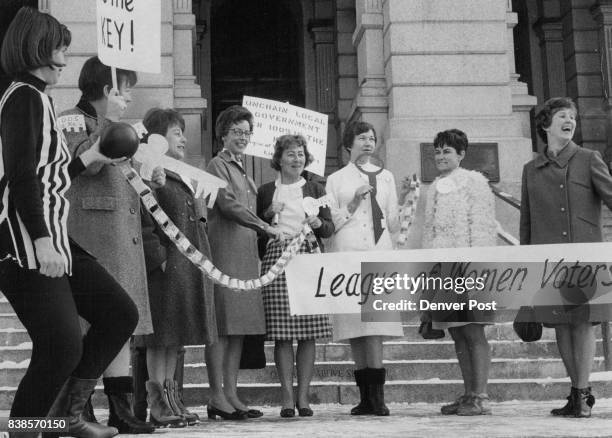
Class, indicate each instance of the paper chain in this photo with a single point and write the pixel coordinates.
(194, 255)
(408, 210)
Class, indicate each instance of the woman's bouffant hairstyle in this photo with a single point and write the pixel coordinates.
(231, 116)
(30, 41)
(158, 120)
(352, 130)
(544, 116)
(283, 143)
(454, 138)
(95, 76)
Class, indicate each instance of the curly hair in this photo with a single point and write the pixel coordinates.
(231, 116)
(454, 138)
(352, 130)
(158, 120)
(283, 143)
(544, 116)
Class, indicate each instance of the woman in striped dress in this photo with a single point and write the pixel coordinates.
(281, 201)
(48, 279)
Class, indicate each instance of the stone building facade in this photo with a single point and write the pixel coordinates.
(410, 67)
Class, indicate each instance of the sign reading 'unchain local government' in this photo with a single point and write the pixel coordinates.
(129, 34)
(568, 276)
(273, 119)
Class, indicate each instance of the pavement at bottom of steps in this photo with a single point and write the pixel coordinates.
(509, 419)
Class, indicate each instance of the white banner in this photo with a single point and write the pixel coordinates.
(273, 119)
(537, 275)
(129, 34)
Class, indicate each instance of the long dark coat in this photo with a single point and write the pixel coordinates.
(181, 297)
(561, 203)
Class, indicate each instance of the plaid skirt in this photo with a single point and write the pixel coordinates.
(280, 325)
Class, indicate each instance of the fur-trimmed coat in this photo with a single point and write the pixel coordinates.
(460, 212)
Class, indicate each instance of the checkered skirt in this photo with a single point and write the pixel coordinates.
(280, 325)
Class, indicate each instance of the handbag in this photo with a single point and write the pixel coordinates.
(253, 353)
(524, 325)
(427, 331)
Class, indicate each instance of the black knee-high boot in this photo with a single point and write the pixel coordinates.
(376, 389)
(362, 380)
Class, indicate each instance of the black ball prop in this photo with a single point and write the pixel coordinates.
(119, 140)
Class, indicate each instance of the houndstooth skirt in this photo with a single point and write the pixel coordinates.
(280, 325)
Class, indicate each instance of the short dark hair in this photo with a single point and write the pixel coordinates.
(30, 41)
(455, 138)
(544, 116)
(95, 76)
(283, 143)
(352, 130)
(231, 116)
(158, 120)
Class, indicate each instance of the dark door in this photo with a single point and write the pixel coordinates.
(255, 51)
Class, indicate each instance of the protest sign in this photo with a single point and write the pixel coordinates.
(129, 34)
(535, 275)
(273, 119)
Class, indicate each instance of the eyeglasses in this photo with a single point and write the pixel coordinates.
(240, 133)
(364, 138)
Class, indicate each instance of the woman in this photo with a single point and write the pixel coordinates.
(357, 217)
(48, 279)
(460, 212)
(283, 199)
(233, 227)
(181, 296)
(558, 209)
(102, 200)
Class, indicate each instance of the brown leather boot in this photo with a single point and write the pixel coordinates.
(177, 405)
(70, 403)
(160, 412)
(119, 391)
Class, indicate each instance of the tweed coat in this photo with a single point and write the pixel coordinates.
(104, 216)
(182, 297)
(233, 227)
(561, 203)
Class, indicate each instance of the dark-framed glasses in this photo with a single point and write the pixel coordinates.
(240, 133)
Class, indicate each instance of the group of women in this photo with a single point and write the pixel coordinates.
(51, 280)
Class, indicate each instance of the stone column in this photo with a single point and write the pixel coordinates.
(370, 103)
(187, 94)
(447, 65)
(550, 32)
(602, 12)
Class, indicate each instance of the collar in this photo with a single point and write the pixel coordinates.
(30, 79)
(87, 108)
(299, 183)
(229, 157)
(561, 160)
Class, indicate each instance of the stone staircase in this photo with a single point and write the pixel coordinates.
(418, 370)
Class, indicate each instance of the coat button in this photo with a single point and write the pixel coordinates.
(135, 240)
(191, 218)
(133, 210)
(561, 186)
(565, 233)
(562, 208)
(189, 202)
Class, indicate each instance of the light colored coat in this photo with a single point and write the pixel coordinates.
(356, 233)
(105, 219)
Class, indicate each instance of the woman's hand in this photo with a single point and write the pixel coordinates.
(158, 178)
(116, 106)
(404, 190)
(360, 194)
(314, 222)
(51, 262)
(274, 233)
(275, 208)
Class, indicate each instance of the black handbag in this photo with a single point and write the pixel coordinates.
(253, 354)
(525, 327)
(427, 331)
